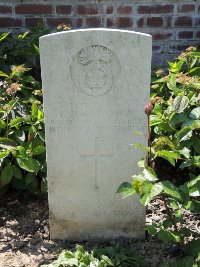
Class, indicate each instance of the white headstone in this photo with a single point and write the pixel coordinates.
(96, 83)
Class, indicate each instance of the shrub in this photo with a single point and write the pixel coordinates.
(174, 118)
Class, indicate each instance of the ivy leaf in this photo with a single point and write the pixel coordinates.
(171, 189)
(178, 118)
(152, 229)
(180, 103)
(154, 120)
(6, 175)
(28, 164)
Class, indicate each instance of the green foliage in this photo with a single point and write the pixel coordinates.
(185, 262)
(108, 256)
(175, 137)
(22, 145)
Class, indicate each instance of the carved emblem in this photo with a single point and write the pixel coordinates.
(95, 69)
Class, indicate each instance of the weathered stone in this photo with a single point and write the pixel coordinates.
(96, 83)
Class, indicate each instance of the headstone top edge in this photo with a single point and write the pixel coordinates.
(94, 30)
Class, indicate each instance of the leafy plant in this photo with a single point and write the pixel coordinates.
(22, 144)
(108, 256)
(174, 118)
(22, 147)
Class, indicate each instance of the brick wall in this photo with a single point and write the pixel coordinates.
(174, 25)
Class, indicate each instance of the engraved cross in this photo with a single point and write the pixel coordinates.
(96, 155)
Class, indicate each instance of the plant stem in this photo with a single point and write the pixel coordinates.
(149, 140)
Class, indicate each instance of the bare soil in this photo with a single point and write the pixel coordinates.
(25, 242)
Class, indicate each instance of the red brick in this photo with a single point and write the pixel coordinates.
(110, 23)
(63, 9)
(93, 22)
(140, 22)
(54, 22)
(198, 35)
(5, 9)
(32, 22)
(155, 9)
(157, 48)
(161, 36)
(185, 35)
(79, 23)
(178, 48)
(183, 22)
(83, 10)
(33, 9)
(154, 22)
(124, 9)
(10, 22)
(123, 22)
(109, 9)
(186, 8)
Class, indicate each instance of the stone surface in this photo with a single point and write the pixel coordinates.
(96, 83)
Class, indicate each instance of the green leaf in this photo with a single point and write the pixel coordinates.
(38, 150)
(193, 247)
(3, 35)
(154, 120)
(171, 189)
(3, 74)
(126, 189)
(6, 175)
(6, 143)
(149, 174)
(195, 113)
(44, 185)
(32, 133)
(194, 190)
(15, 122)
(2, 124)
(196, 144)
(34, 109)
(17, 173)
(37, 50)
(171, 84)
(30, 177)
(152, 229)
(156, 190)
(180, 103)
(4, 154)
(20, 136)
(29, 164)
(178, 118)
(184, 134)
(162, 143)
(145, 148)
(175, 67)
(168, 155)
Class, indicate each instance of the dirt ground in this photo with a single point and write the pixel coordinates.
(24, 233)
